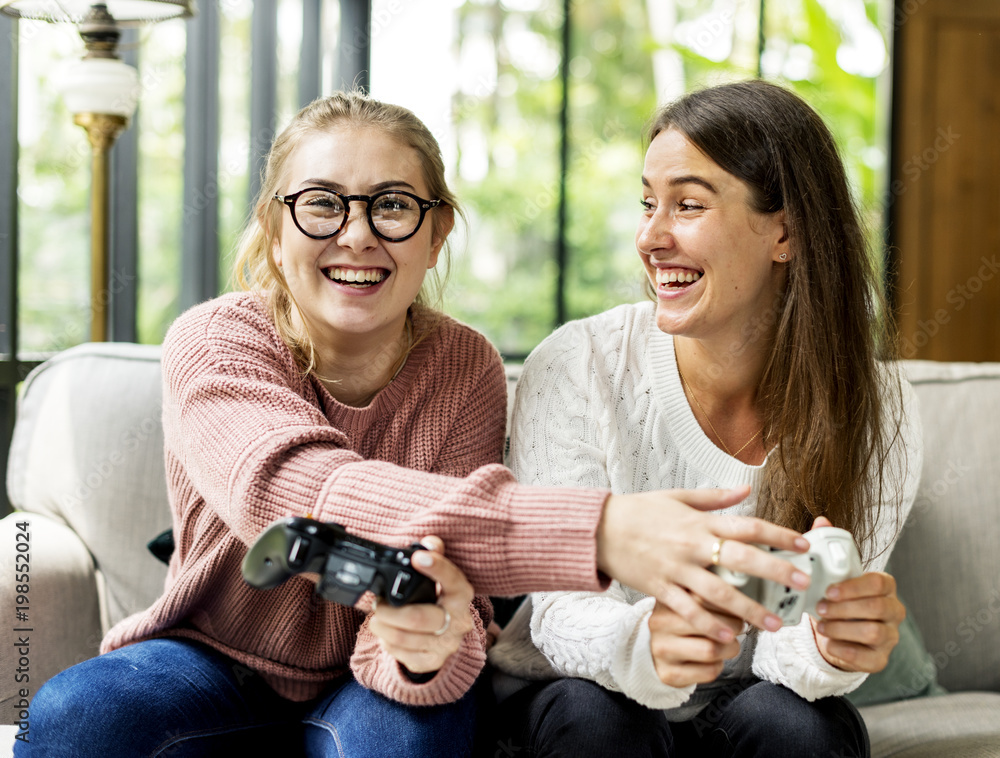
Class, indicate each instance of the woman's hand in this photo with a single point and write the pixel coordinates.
(681, 654)
(422, 636)
(661, 543)
(860, 620)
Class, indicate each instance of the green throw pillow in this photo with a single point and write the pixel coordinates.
(910, 672)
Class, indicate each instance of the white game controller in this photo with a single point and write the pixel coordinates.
(832, 557)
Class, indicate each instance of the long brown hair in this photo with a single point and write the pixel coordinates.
(254, 268)
(824, 398)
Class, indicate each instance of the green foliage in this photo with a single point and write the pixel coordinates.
(54, 225)
(613, 93)
(503, 280)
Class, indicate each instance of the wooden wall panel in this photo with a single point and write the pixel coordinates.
(945, 183)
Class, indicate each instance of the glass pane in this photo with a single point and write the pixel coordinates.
(613, 92)
(484, 76)
(234, 128)
(53, 195)
(162, 212)
(488, 88)
(834, 54)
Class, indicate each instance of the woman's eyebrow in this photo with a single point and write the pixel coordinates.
(687, 179)
(322, 183)
(337, 187)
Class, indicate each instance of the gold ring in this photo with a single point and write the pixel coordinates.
(717, 551)
(445, 625)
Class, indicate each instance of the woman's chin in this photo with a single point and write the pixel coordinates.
(668, 320)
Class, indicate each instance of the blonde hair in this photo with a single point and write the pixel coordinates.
(254, 268)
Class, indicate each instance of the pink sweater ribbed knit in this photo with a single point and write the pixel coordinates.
(250, 440)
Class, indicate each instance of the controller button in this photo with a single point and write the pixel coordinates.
(402, 578)
(345, 576)
(297, 555)
(839, 556)
(350, 573)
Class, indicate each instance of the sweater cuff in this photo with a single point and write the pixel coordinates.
(636, 671)
(509, 539)
(791, 658)
(376, 669)
(551, 541)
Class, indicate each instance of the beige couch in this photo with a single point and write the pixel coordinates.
(86, 472)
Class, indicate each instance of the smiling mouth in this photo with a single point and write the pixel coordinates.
(357, 279)
(676, 279)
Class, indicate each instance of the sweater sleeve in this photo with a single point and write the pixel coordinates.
(559, 435)
(374, 668)
(475, 439)
(790, 656)
(605, 638)
(237, 412)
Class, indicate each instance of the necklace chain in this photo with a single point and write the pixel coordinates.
(708, 418)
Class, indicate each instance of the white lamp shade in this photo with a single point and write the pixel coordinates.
(101, 85)
(125, 12)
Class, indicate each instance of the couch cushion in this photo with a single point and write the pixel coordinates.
(62, 617)
(911, 671)
(947, 561)
(88, 451)
(963, 725)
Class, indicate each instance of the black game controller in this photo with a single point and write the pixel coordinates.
(348, 565)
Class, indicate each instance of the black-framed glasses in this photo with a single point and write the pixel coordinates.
(321, 213)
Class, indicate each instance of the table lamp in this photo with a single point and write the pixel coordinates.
(101, 91)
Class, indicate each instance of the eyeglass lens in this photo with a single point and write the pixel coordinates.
(393, 215)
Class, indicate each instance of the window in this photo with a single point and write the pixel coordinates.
(540, 114)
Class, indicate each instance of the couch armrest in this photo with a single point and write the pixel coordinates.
(63, 616)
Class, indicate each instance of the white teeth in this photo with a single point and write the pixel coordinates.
(352, 276)
(669, 277)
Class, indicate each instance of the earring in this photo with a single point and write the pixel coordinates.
(783, 256)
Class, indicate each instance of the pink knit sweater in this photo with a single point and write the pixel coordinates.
(249, 440)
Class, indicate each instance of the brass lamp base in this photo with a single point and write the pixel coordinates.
(102, 131)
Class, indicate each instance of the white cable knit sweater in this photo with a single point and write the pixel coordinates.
(600, 404)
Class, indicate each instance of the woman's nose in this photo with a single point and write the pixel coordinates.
(357, 234)
(654, 233)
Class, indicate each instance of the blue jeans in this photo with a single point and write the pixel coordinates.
(577, 718)
(180, 699)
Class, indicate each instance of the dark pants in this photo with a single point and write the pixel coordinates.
(577, 718)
